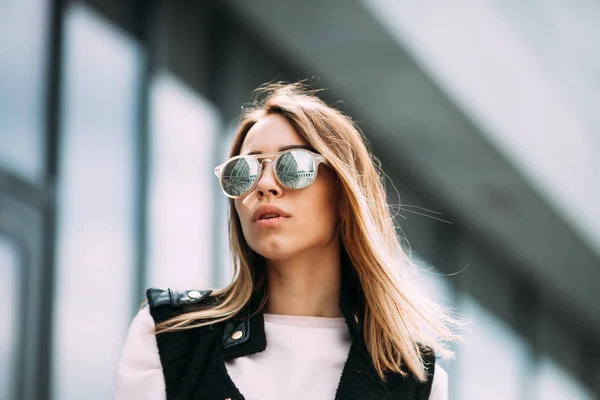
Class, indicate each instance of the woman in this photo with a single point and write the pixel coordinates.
(323, 303)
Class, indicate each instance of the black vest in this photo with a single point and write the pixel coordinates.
(193, 360)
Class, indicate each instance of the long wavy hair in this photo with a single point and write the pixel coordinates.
(398, 318)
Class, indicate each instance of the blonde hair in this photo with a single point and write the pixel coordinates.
(398, 319)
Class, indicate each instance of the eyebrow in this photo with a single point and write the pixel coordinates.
(284, 148)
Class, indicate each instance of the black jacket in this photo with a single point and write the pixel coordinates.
(193, 360)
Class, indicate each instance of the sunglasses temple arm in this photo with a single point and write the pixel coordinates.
(322, 159)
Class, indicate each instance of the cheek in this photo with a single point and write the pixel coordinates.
(321, 208)
(238, 206)
(243, 211)
(329, 196)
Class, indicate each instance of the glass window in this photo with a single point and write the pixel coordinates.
(493, 361)
(23, 32)
(9, 319)
(181, 208)
(434, 282)
(96, 194)
(554, 383)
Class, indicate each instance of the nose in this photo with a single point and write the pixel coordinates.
(267, 183)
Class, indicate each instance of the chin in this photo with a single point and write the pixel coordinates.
(273, 250)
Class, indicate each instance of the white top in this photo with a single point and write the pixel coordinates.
(286, 369)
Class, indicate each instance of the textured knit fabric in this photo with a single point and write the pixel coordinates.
(304, 360)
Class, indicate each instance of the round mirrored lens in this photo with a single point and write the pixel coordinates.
(239, 176)
(296, 169)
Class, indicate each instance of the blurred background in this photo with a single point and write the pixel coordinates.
(484, 114)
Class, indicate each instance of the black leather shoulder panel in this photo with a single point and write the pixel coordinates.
(175, 298)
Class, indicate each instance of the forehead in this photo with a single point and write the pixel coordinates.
(270, 133)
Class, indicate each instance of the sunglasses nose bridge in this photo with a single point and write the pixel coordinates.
(262, 166)
(267, 180)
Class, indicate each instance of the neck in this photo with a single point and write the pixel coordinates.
(306, 284)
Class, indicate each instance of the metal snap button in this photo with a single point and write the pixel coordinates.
(237, 334)
(193, 294)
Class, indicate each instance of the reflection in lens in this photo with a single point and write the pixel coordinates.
(296, 169)
(239, 176)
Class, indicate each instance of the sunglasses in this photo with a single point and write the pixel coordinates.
(294, 169)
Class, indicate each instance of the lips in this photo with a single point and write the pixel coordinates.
(268, 216)
(268, 211)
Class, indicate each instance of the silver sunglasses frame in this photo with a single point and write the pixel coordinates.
(219, 169)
